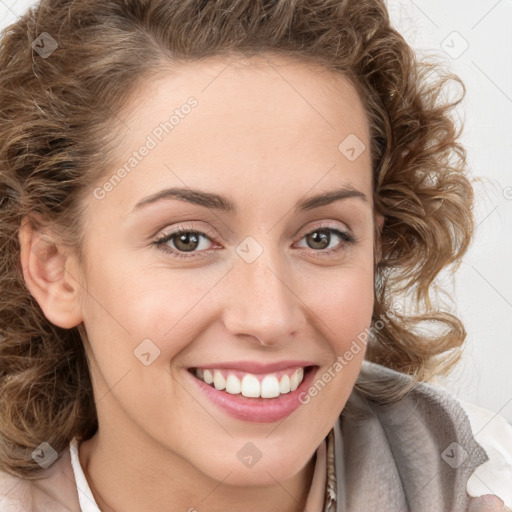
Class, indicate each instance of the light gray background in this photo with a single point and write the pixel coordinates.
(483, 285)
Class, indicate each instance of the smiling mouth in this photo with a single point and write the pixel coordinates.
(236, 382)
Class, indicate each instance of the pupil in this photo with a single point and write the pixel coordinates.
(319, 237)
(186, 239)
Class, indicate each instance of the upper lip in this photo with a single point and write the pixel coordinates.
(255, 367)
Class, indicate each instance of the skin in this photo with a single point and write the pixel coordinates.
(265, 133)
(487, 503)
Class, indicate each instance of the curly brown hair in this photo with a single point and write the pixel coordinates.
(59, 127)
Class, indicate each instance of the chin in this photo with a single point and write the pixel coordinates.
(265, 472)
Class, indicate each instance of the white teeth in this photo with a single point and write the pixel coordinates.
(269, 387)
(233, 385)
(218, 380)
(207, 376)
(284, 385)
(250, 386)
(296, 379)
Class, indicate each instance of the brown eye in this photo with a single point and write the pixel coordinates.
(183, 241)
(186, 241)
(321, 238)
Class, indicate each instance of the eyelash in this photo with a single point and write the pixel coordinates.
(160, 243)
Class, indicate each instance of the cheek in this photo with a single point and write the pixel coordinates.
(342, 300)
(132, 307)
(343, 308)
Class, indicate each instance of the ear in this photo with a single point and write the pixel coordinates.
(46, 269)
(379, 218)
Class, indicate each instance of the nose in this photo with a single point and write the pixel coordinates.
(261, 302)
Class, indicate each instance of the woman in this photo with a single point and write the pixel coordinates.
(209, 211)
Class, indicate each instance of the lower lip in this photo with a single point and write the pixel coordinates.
(262, 410)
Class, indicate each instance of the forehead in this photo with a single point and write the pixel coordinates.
(301, 80)
(258, 122)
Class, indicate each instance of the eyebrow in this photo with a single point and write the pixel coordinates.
(225, 204)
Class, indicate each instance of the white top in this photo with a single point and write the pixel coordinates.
(490, 430)
(87, 501)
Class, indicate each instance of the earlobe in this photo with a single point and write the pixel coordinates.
(44, 265)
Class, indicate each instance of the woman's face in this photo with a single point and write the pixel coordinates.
(269, 280)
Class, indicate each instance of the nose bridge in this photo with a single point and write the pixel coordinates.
(262, 301)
